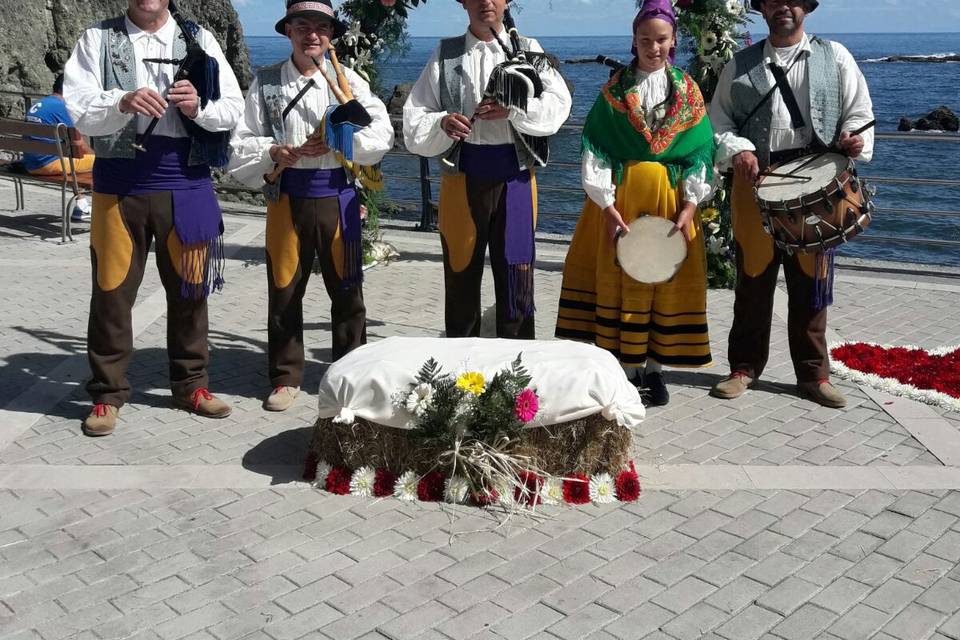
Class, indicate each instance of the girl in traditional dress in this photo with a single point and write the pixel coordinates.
(647, 148)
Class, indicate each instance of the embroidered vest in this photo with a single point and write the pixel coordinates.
(452, 53)
(271, 92)
(751, 84)
(119, 72)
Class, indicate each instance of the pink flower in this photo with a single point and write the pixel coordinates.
(388, 3)
(526, 406)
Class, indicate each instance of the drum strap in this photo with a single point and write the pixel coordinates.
(769, 93)
(789, 99)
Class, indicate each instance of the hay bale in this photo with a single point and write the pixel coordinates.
(589, 445)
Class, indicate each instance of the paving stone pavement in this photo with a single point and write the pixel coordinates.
(288, 561)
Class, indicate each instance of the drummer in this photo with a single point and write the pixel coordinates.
(753, 134)
(647, 148)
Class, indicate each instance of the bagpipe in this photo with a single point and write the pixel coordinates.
(203, 71)
(338, 125)
(511, 84)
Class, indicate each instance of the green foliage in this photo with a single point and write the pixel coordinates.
(455, 414)
(428, 372)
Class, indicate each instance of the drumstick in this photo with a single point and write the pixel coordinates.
(784, 175)
(862, 129)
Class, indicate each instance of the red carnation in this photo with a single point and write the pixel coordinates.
(529, 491)
(485, 497)
(310, 466)
(338, 481)
(628, 485)
(383, 483)
(576, 489)
(430, 487)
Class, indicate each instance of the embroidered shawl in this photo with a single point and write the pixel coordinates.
(616, 130)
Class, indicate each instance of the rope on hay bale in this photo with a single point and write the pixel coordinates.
(589, 445)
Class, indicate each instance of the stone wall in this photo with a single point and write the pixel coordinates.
(37, 37)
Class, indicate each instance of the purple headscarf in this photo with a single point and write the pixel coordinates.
(662, 10)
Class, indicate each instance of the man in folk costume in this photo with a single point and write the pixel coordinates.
(818, 96)
(313, 208)
(488, 195)
(149, 189)
(647, 149)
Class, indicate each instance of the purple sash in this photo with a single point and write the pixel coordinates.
(333, 183)
(197, 218)
(499, 163)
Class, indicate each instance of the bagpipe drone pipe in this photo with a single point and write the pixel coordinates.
(513, 83)
(337, 126)
(203, 71)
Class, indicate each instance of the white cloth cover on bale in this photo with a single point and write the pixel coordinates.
(572, 380)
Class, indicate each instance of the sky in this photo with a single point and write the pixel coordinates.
(613, 17)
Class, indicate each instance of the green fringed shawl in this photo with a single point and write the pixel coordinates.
(616, 132)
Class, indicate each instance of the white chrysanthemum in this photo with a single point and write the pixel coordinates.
(323, 470)
(361, 482)
(601, 488)
(455, 490)
(552, 491)
(420, 399)
(734, 7)
(406, 487)
(708, 40)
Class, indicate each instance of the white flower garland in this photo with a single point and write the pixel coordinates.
(891, 385)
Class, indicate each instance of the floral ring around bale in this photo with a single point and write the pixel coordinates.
(474, 441)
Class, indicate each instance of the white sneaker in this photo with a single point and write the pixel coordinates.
(281, 398)
(79, 215)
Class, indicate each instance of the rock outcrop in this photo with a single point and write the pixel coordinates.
(37, 37)
(940, 119)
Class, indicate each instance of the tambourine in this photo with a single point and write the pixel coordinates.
(653, 251)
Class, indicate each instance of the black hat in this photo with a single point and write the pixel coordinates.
(296, 8)
(809, 5)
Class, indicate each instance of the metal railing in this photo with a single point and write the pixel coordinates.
(426, 182)
(427, 223)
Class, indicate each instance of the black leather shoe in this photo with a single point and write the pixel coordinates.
(656, 391)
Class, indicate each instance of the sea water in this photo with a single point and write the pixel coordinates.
(897, 90)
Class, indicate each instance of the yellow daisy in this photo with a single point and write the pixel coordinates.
(472, 382)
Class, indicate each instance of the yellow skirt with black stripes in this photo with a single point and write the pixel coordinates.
(602, 305)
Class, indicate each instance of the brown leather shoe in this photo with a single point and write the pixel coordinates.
(101, 421)
(733, 386)
(823, 393)
(203, 403)
(281, 398)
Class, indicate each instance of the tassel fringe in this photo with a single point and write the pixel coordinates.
(823, 286)
(206, 260)
(520, 290)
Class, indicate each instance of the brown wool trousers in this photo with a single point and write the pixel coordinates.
(298, 229)
(121, 233)
(758, 263)
(473, 215)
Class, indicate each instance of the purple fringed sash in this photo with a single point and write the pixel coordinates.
(823, 279)
(499, 163)
(197, 218)
(333, 183)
